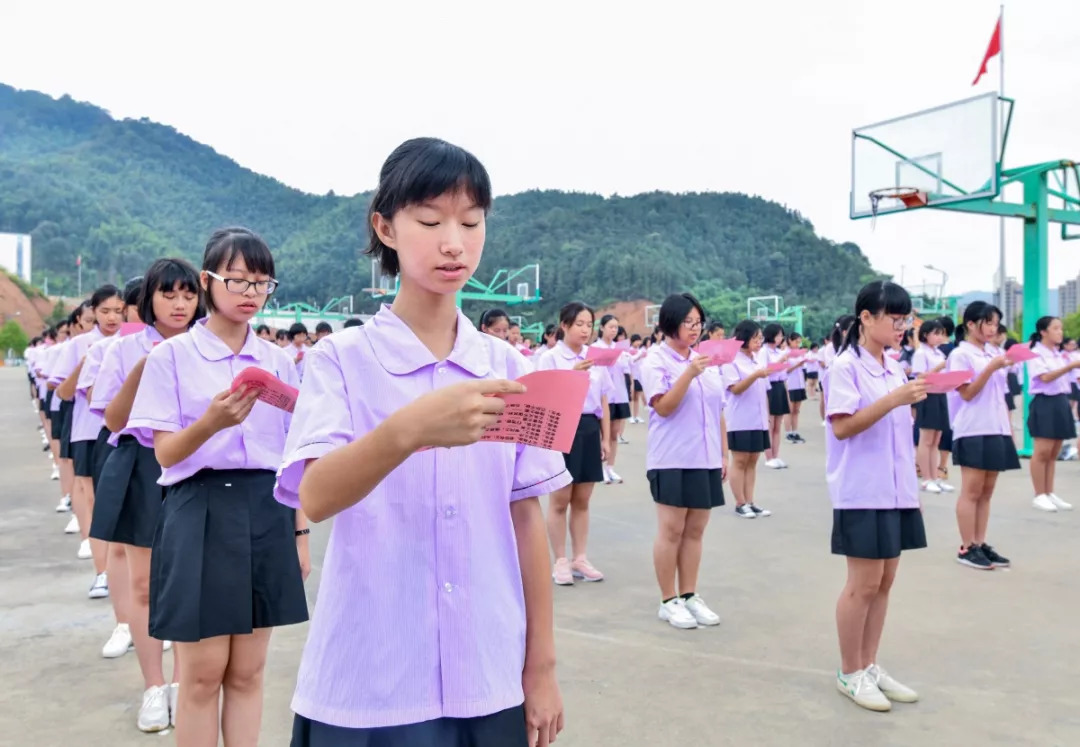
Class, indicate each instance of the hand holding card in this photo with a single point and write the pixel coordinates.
(947, 381)
(777, 367)
(272, 390)
(720, 352)
(547, 414)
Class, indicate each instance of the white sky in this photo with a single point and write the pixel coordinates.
(598, 96)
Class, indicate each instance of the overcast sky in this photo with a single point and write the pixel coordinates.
(607, 97)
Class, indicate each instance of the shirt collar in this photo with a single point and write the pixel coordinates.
(400, 352)
(873, 367)
(212, 348)
(674, 355)
(149, 337)
(562, 349)
(975, 349)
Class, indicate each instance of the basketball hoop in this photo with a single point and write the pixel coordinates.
(910, 196)
(376, 292)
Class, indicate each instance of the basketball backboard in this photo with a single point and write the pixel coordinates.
(951, 153)
(762, 308)
(523, 283)
(1067, 181)
(652, 316)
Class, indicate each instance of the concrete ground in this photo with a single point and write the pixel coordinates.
(992, 654)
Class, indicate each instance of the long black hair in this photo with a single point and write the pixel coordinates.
(568, 314)
(839, 331)
(878, 297)
(975, 313)
(1041, 325)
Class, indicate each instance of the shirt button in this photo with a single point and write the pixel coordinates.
(441, 369)
(451, 512)
(448, 586)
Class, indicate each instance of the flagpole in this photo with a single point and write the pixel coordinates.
(1001, 133)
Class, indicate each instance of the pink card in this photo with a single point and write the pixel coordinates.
(894, 354)
(947, 381)
(623, 345)
(720, 351)
(130, 328)
(547, 414)
(776, 367)
(527, 352)
(272, 390)
(602, 356)
(797, 353)
(1021, 353)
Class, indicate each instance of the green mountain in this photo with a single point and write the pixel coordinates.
(120, 193)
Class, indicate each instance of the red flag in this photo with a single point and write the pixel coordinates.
(991, 51)
(78, 260)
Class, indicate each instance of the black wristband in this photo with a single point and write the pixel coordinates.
(302, 532)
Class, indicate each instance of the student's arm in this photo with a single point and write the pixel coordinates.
(119, 409)
(226, 410)
(543, 701)
(971, 390)
(668, 402)
(66, 390)
(743, 384)
(605, 426)
(1058, 372)
(723, 443)
(848, 419)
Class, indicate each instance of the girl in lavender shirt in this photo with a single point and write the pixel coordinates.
(870, 470)
(796, 389)
(932, 415)
(619, 406)
(685, 458)
(747, 413)
(434, 620)
(773, 352)
(1050, 419)
(982, 432)
(637, 354)
(227, 561)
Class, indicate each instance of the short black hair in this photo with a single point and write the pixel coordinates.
(132, 289)
(975, 313)
(930, 327)
(323, 327)
(259, 329)
(297, 328)
(713, 326)
(103, 294)
(491, 316)
(417, 171)
(165, 275)
(771, 331)
(281, 335)
(948, 324)
(354, 322)
(745, 331)
(514, 324)
(674, 310)
(224, 246)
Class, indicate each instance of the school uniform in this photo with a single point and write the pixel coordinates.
(621, 384)
(871, 476)
(778, 398)
(57, 411)
(1074, 378)
(747, 413)
(584, 461)
(982, 433)
(128, 499)
(1050, 414)
(636, 360)
(813, 366)
(418, 635)
(224, 558)
(932, 413)
(73, 354)
(945, 444)
(684, 458)
(87, 425)
(796, 384)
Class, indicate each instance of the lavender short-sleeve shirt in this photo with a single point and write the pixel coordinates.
(925, 359)
(875, 468)
(85, 422)
(421, 612)
(1048, 361)
(688, 438)
(119, 359)
(180, 379)
(561, 357)
(987, 414)
(748, 411)
(773, 355)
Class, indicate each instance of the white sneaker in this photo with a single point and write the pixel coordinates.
(1058, 503)
(675, 614)
(931, 486)
(1043, 503)
(55, 475)
(166, 646)
(64, 506)
(889, 687)
(174, 695)
(701, 612)
(773, 464)
(622, 441)
(607, 475)
(118, 644)
(781, 464)
(945, 487)
(72, 526)
(154, 713)
(84, 550)
(862, 688)
(613, 475)
(100, 588)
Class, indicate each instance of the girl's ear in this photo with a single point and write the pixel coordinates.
(384, 229)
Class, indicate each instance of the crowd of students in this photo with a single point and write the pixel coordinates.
(434, 619)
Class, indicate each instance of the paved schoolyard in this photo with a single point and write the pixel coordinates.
(992, 654)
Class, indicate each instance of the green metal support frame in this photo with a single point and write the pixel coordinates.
(489, 292)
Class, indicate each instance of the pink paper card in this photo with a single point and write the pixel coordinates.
(1020, 354)
(797, 353)
(547, 414)
(527, 352)
(130, 328)
(720, 351)
(272, 390)
(946, 381)
(602, 356)
(623, 345)
(777, 367)
(894, 354)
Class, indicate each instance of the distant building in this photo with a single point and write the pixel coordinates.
(1069, 297)
(1013, 304)
(15, 254)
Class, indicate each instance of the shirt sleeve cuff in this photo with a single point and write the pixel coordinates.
(147, 424)
(545, 486)
(287, 488)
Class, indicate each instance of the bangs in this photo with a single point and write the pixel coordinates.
(175, 276)
(895, 299)
(229, 243)
(429, 171)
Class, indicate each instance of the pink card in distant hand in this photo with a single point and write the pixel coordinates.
(947, 381)
(547, 414)
(272, 390)
(720, 352)
(1020, 354)
(797, 352)
(777, 367)
(623, 345)
(130, 328)
(602, 356)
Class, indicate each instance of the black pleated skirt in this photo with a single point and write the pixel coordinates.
(620, 411)
(82, 455)
(946, 439)
(66, 415)
(1014, 386)
(1051, 417)
(778, 401)
(797, 395)
(932, 413)
(687, 488)
(102, 449)
(224, 558)
(753, 442)
(502, 729)
(991, 453)
(1074, 392)
(812, 375)
(128, 500)
(584, 462)
(877, 534)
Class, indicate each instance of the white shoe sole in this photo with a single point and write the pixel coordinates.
(901, 697)
(583, 577)
(746, 516)
(99, 594)
(969, 564)
(1051, 509)
(689, 625)
(562, 583)
(153, 728)
(707, 623)
(878, 707)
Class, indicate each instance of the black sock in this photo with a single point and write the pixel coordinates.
(687, 595)
(669, 599)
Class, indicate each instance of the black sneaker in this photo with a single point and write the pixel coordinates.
(763, 512)
(796, 438)
(974, 557)
(995, 560)
(790, 437)
(745, 511)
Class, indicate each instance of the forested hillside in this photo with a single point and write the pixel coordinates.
(120, 193)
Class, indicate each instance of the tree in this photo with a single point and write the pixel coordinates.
(13, 338)
(1072, 325)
